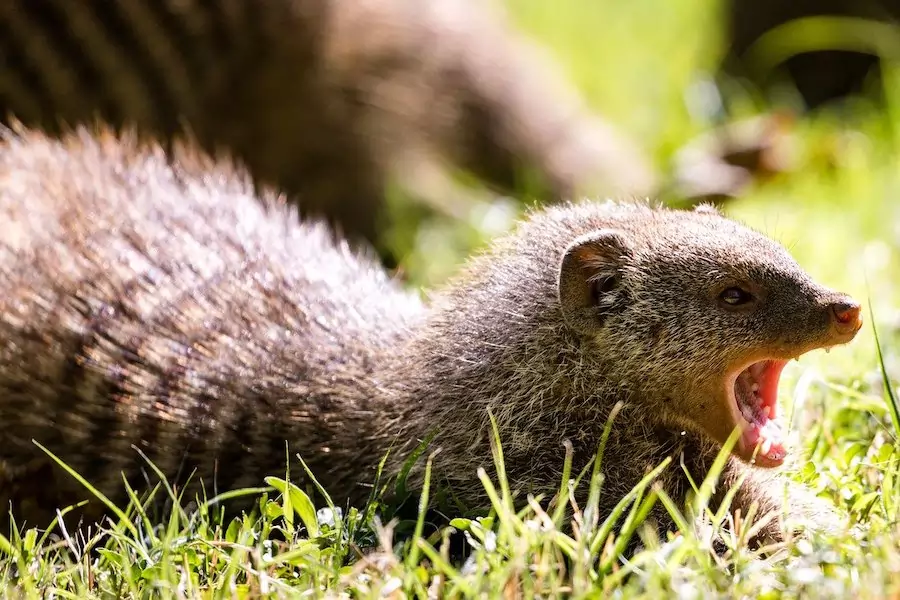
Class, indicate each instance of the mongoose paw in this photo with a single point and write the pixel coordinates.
(802, 516)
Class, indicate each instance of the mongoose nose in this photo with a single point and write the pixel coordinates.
(846, 316)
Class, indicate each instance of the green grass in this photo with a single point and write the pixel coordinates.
(839, 214)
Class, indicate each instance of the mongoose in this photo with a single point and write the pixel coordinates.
(163, 304)
(327, 100)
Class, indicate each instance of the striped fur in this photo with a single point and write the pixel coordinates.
(326, 99)
(164, 306)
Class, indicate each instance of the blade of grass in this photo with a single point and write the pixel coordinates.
(230, 495)
(893, 405)
(610, 521)
(176, 498)
(97, 493)
(497, 453)
(412, 558)
(400, 488)
(591, 514)
(707, 487)
(563, 496)
(446, 568)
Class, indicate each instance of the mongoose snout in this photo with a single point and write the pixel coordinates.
(755, 386)
(847, 318)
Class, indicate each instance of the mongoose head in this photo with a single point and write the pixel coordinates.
(695, 314)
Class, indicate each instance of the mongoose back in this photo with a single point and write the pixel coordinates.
(162, 304)
(325, 99)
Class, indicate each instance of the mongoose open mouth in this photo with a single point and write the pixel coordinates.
(755, 391)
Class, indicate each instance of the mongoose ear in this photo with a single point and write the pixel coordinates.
(589, 279)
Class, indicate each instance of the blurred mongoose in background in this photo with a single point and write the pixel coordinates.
(164, 305)
(327, 100)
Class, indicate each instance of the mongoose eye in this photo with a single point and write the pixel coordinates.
(735, 296)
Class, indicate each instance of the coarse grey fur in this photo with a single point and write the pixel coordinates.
(328, 100)
(161, 304)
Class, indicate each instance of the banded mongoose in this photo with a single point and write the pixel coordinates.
(162, 304)
(327, 100)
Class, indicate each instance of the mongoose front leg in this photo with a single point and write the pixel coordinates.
(781, 508)
(786, 507)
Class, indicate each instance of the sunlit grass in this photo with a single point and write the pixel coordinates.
(289, 545)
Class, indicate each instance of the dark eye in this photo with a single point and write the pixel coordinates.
(735, 296)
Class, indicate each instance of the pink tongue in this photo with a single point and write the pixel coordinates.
(768, 435)
(768, 383)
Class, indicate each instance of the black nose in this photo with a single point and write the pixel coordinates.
(846, 316)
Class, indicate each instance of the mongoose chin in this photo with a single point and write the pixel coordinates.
(160, 302)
